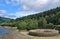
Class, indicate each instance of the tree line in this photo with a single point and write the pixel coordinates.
(42, 20)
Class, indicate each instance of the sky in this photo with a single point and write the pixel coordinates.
(18, 8)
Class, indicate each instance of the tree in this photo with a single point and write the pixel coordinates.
(42, 23)
(32, 24)
(21, 25)
(50, 26)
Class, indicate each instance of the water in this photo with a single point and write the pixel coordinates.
(3, 30)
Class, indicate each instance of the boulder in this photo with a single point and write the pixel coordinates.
(44, 32)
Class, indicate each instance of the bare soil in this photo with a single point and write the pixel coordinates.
(13, 34)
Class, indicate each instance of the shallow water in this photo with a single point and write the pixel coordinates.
(3, 30)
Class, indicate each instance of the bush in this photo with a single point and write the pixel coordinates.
(50, 26)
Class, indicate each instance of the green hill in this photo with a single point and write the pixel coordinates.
(3, 19)
(44, 19)
(49, 13)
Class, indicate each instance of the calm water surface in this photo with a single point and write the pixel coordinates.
(3, 30)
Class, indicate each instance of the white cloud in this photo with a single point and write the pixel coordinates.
(2, 13)
(12, 2)
(12, 16)
(18, 14)
(29, 7)
(40, 4)
(25, 7)
(23, 13)
(7, 1)
(34, 2)
(28, 2)
(35, 5)
(55, 1)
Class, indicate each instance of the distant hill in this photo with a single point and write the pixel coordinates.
(6, 21)
(3, 19)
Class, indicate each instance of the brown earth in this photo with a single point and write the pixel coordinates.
(13, 34)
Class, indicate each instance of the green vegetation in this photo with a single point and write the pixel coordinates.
(2, 19)
(46, 19)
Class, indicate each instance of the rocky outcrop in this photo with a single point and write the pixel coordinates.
(44, 32)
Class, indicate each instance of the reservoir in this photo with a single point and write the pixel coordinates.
(3, 30)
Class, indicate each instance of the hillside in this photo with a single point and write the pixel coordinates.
(3, 19)
(46, 19)
(50, 13)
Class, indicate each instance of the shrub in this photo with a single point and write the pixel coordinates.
(50, 26)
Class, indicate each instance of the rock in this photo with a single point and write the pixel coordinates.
(43, 32)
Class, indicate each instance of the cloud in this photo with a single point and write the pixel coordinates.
(40, 5)
(23, 13)
(34, 2)
(28, 7)
(7, 2)
(12, 2)
(2, 12)
(25, 7)
(19, 14)
(56, 1)
(35, 5)
(11, 15)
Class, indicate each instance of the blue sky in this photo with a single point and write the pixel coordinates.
(19, 8)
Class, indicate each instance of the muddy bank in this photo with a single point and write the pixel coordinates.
(12, 34)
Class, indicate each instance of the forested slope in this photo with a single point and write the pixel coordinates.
(45, 19)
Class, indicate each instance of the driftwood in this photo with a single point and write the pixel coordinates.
(43, 32)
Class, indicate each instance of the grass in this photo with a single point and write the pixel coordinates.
(25, 33)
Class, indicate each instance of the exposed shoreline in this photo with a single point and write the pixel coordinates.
(12, 34)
